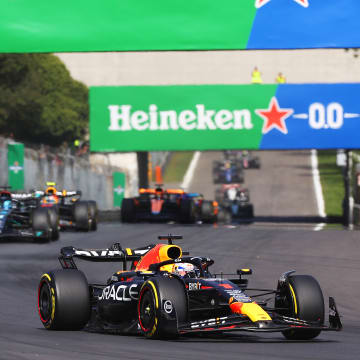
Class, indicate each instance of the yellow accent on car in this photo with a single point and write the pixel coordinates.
(47, 276)
(155, 293)
(254, 312)
(128, 251)
(246, 270)
(53, 304)
(166, 250)
(294, 299)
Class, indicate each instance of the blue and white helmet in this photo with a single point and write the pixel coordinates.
(184, 269)
(7, 205)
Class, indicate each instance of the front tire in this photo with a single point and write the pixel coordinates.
(64, 300)
(304, 300)
(93, 214)
(128, 211)
(41, 224)
(54, 222)
(207, 211)
(162, 305)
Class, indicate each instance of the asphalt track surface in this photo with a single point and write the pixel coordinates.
(273, 244)
(331, 256)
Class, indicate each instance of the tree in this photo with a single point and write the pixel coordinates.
(39, 101)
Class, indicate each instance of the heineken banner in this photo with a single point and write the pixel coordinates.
(210, 117)
(16, 166)
(128, 25)
(119, 188)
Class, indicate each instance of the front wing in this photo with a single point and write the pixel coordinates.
(278, 324)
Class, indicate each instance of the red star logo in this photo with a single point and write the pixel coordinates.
(274, 117)
(260, 3)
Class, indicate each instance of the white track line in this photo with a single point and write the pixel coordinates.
(318, 189)
(190, 171)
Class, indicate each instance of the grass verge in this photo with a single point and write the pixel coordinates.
(177, 166)
(332, 182)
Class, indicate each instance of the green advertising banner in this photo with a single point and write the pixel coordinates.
(194, 117)
(119, 188)
(16, 166)
(142, 25)
(219, 117)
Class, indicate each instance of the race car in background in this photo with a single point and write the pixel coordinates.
(20, 220)
(162, 292)
(244, 158)
(67, 209)
(227, 172)
(158, 204)
(235, 199)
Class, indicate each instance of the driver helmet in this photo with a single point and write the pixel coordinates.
(7, 205)
(51, 190)
(159, 192)
(184, 270)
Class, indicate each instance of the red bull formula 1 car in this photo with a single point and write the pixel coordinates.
(168, 205)
(67, 210)
(162, 292)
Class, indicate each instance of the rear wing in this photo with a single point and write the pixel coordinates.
(114, 254)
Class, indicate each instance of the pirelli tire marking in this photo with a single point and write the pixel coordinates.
(49, 318)
(144, 289)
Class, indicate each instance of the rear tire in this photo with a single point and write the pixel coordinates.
(128, 210)
(64, 300)
(162, 305)
(82, 216)
(304, 299)
(41, 224)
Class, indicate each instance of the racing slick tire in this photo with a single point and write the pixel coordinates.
(54, 222)
(41, 224)
(82, 216)
(250, 211)
(305, 301)
(224, 217)
(187, 211)
(128, 211)
(93, 214)
(64, 300)
(207, 212)
(162, 305)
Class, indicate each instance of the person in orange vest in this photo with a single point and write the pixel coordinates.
(280, 79)
(256, 76)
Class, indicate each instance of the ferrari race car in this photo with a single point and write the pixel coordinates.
(68, 211)
(161, 292)
(20, 220)
(226, 172)
(235, 199)
(168, 205)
